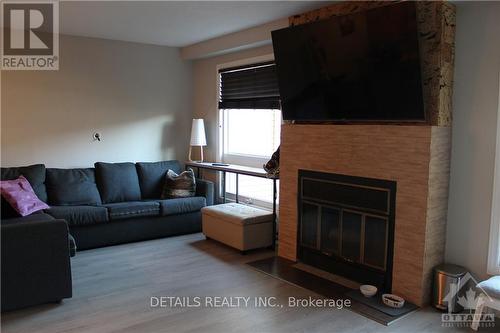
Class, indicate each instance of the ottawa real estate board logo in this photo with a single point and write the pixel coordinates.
(30, 35)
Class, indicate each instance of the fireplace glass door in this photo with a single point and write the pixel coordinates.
(346, 225)
(352, 235)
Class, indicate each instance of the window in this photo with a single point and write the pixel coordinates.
(249, 137)
(494, 246)
(250, 124)
(251, 133)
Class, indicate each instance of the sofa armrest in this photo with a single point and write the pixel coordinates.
(205, 188)
(36, 265)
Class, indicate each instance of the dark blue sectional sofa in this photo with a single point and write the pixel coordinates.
(109, 204)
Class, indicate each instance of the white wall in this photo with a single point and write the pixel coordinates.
(137, 96)
(237, 41)
(475, 107)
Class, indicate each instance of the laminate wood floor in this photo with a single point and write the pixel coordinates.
(112, 288)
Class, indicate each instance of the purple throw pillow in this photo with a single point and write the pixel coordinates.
(20, 195)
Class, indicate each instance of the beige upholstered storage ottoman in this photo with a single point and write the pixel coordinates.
(239, 226)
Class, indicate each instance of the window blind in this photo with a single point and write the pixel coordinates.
(249, 87)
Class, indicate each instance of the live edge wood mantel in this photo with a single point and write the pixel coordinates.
(417, 157)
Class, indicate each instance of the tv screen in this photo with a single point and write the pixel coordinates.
(358, 67)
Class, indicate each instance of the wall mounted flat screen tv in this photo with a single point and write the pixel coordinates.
(358, 67)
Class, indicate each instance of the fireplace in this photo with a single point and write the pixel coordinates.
(346, 226)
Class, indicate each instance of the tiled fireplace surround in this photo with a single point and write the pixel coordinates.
(416, 156)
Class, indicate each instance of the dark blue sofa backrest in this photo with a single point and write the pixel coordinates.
(117, 182)
(106, 183)
(67, 187)
(152, 176)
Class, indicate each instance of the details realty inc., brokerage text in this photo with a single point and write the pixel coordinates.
(245, 302)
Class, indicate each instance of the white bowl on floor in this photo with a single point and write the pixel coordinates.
(368, 290)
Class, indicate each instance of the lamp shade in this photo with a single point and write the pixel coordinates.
(198, 137)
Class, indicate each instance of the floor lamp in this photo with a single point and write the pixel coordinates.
(198, 137)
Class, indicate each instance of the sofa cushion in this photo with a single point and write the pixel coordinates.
(181, 205)
(36, 217)
(181, 185)
(35, 174)
(20, 195)
(72, 187)
(124, 210)
(117, 182)
(152, 176)
(79, 215)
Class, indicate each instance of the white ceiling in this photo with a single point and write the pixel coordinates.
(171, 23)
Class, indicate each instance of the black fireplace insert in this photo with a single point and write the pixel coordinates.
(346, 226)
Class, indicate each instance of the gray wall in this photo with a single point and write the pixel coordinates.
(475, 108)
(137, 96)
